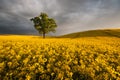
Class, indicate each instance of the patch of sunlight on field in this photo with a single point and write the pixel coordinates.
(17, 37)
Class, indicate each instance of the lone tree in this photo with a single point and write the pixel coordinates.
(43, 24)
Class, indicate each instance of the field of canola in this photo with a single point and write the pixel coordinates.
(32, 58)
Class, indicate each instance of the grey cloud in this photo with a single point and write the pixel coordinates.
(70, 15)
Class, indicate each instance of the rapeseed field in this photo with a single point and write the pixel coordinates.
(34, 58)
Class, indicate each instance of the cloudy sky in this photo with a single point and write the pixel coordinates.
(70, 15)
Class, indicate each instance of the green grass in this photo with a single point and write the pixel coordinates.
(94, 33)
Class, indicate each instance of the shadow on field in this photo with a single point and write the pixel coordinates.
(79, 76)
(40, 37)
(75, 76)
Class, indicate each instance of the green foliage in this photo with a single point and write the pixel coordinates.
(44, 24)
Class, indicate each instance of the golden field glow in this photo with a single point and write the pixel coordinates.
(31, 57)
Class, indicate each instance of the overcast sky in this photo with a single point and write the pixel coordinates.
(70, 15)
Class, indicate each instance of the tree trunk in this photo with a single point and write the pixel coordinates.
(43, 35)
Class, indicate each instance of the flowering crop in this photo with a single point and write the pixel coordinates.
(31, 58)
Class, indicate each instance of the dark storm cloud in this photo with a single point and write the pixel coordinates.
(70, 15)
(90, 14)
(14, 17)
(12, 23)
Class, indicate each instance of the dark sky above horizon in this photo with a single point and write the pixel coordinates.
(70, 15)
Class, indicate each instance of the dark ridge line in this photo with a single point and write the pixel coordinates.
(114, 35)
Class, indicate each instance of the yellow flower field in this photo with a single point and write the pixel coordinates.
(34, 58)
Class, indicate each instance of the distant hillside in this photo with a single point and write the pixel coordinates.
(94, 33)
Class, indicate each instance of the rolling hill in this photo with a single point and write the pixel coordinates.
(94, 33)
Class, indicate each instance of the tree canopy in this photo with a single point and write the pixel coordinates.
(43, 24)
